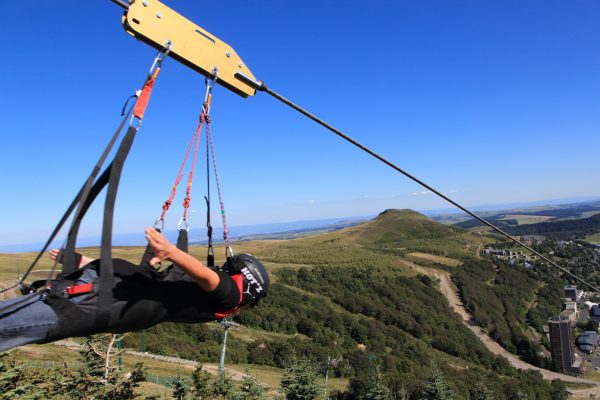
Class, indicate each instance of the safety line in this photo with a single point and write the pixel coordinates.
(262, 87)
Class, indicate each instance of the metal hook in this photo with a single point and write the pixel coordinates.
(228, 251)
(133, 118)
(160, 56)
(159, 224)
(210, 82)
(183, 225)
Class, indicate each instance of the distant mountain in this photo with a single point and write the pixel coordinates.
(506, 217)
(547, 210)
(198, 236)
(561, 222)
(564, 230)
(402, 231)
(394, 225)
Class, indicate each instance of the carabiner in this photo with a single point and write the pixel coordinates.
(210, 83)
(160, 56)
(183, 225)
(214, 72)
(159, 224)
(133, 118)
(228, 251)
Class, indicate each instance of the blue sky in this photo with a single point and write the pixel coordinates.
(490, 102)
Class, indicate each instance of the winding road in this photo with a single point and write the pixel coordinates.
(450, 292)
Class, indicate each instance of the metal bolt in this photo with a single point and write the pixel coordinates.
(145, 3)
(228, 54)
(158, 15)
(241, 65)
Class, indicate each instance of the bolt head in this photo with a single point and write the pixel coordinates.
(228, 54)
(145, 3)
(158, 15)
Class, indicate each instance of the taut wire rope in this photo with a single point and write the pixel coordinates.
(260, 85)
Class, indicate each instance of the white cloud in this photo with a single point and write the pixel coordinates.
(382, 196)
(423, 193)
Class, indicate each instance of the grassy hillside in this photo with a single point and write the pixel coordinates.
(355, 295)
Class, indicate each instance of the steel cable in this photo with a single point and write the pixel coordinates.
(262, 87)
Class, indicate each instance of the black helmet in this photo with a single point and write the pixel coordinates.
(256, 277)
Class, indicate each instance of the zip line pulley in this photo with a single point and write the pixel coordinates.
(156, 24)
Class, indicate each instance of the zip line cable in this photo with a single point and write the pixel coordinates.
(260, 85)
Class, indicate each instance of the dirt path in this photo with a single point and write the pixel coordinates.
(450, 292)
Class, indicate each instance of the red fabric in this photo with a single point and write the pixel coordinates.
(142, 102)
(79, 289)
(239, 281)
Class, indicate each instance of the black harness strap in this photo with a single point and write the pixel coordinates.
(182, 240)
(148, 254)
(182, 244)
(69, 264)
(72, 264)
(80, 197)
(106, 279)
(93, 193)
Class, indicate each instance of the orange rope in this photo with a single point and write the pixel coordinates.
(194, 141)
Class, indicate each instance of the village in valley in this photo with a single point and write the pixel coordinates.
(572, 334)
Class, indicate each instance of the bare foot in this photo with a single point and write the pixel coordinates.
(56, 255)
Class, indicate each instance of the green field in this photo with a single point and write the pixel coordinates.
(594, 239)
(527, 219)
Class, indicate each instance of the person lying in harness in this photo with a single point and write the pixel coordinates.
(187, 292)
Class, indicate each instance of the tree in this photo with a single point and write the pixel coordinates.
(250, 389)
(301, 381)
(223, 388)
(436, 387)
(11, 380)
(370, 386)
(98, 377)
(481, 392)
(376, 388)
(201, 386)
(181, 387)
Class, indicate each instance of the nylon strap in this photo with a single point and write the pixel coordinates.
(182, 240)
(83, 192)
(69, 264)
(148, 253)
(106, 279)
(144, 97)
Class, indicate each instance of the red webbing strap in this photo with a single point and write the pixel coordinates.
(239, 281)
(79, 289)
(194, 141)
(142, 102)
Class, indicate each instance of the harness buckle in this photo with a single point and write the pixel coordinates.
(75, 290)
